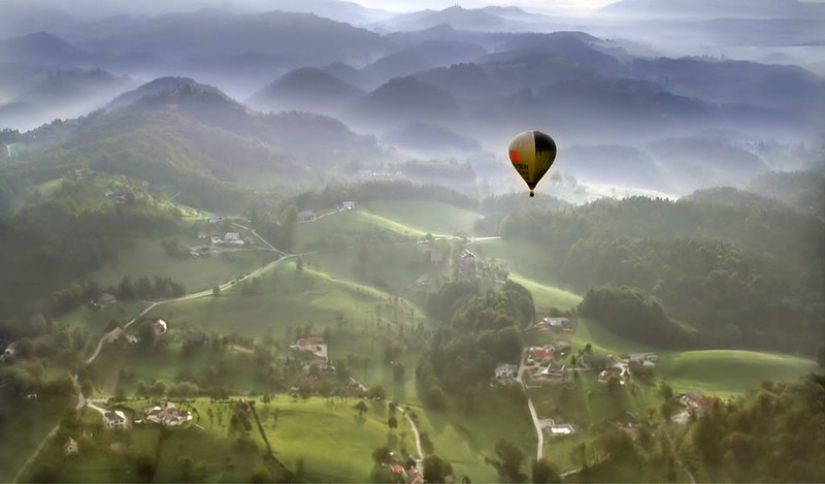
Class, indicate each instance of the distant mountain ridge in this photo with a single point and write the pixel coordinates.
(307, 89)
(716, 8)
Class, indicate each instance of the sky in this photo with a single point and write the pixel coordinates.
(410, 5)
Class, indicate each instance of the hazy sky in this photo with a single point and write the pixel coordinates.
(408, 5)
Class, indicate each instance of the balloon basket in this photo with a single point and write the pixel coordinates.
(532, 194)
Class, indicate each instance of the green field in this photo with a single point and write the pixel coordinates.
(522, 257)
(729, 372)
(287, 297)
(335, 443)
(95, 320)
(340, 230)
(545, 296)
(147, 258)
(425, 216)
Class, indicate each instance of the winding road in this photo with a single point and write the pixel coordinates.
(83, 401)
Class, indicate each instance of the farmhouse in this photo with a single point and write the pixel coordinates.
(306, 216)
(216, 240)
(348, 205)
(10, 351)
(233, 238)
(646, 359)
(542, 353)
(314, 345)
(105, 299)
(160, 327)
(70, 447)
(198, 250)
(554, 370)
(117, 335)
(168, 415)
(506, 371)
(115, 419)
(698, 404)
(605, 375)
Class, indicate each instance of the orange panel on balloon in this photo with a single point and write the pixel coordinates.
(514, 156)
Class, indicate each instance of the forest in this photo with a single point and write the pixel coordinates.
(730, 271)
(478, 330)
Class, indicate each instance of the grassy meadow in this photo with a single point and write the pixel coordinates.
(147, 258)
(425, 216)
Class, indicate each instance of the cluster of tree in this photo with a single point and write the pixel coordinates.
(48, 246)
(632, 313)
(173, 248)
(731, 270)
(773, 433)
(483, 330)
(281, 234)
(735, 297)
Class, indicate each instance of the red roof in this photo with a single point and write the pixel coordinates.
(398, 468)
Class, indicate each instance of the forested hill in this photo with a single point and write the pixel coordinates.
(169, 150)
(743, 275)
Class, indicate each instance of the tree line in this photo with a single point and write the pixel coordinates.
(743, 276)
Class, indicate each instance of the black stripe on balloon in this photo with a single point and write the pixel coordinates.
(544, 143)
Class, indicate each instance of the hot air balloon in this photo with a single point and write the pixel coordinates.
(532, 154)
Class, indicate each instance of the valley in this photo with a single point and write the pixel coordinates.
(287, 242)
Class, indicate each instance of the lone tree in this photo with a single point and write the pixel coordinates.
(361, 407)
(508, 462)
(435, 469)
(393, 423)
(382, 455)
(544, 472)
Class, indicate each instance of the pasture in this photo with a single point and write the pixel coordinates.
(425, 216)
(146, 257)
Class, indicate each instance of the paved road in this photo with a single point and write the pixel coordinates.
(536, 422)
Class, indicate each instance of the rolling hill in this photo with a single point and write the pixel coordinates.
(307, 89)
(407, 99)
(432, 139)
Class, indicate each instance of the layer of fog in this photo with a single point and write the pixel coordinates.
(796, 42)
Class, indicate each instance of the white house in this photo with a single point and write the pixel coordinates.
(306, 216)
(70, 447)
(506, 371)
(115, 419)
(217, 240)
(215, 219)
(233, 238)
(348, 205)
(10, 351)
(168, 415)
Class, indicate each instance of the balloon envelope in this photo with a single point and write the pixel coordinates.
(532, 154)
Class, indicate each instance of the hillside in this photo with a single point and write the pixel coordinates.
(618, 165)
(169, 150)
(159, 86)
(431, 139)
(706, 162)
(406, 99)
(306, 89)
